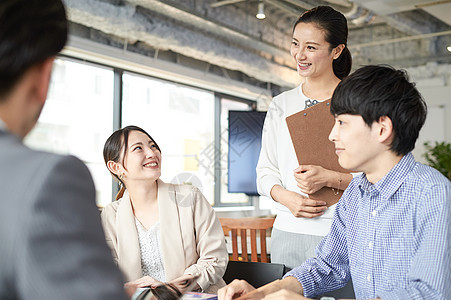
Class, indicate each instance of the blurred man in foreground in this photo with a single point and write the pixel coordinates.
(52, 244)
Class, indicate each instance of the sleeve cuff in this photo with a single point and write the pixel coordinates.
(201, 281)
(301, 274)
(266, 184)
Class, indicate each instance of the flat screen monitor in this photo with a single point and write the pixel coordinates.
(245, 133)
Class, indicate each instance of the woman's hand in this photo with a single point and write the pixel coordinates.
(299, 205)
(234, 289)
(185, 283)
(145, 281)
(311, 179)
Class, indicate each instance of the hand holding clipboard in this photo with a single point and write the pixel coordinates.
(309, 130)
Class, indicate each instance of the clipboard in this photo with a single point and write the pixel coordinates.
(312, 145)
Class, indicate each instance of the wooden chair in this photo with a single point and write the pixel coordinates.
(240, 227)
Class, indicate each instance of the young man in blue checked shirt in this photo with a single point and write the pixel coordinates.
(392, 228)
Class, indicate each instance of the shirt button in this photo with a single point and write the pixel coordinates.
(370, 245)
(373, 213)
(368, 277)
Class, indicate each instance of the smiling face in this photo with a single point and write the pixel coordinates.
(142, 158)
(311, 52)
(357, 145)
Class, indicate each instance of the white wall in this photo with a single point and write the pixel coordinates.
(434, 83)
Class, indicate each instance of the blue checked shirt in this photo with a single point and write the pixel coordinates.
(393, 238)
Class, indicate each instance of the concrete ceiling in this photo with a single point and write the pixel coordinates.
(225, 38)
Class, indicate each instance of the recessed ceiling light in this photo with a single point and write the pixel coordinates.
(449, 48)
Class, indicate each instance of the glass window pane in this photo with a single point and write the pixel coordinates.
(78, 118)
(181, 120)
(226, 197)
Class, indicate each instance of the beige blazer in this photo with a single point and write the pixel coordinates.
(191, 236)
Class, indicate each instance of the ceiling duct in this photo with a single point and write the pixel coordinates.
(358, 15)
(166, 27)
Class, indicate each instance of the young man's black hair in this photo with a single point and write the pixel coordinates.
(376, 91)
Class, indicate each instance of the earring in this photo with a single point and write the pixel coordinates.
(121, 176)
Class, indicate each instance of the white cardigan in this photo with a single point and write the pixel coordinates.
(278, 160)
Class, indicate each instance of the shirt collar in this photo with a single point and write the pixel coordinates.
(391, 182)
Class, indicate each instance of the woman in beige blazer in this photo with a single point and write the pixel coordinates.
(159, 232)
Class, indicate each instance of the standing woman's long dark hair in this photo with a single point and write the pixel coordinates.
(335, 28)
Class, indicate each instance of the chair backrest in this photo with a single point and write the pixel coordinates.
(240, 227)
(255, 273)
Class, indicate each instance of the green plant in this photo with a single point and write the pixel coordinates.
(439, 157)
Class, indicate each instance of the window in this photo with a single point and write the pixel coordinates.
(189, 124)
(78, 118)
(181, 120)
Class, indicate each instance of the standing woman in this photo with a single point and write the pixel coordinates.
(322, 58)
(159, 232)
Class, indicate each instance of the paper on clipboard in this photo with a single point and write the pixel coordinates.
(309, 130)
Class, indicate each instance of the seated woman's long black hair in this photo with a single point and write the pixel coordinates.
(116, 146)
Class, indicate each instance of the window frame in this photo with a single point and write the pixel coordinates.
(117, 121)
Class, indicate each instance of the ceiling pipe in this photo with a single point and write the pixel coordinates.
(286, 8)
(401, 39)
(366, 18)
(358, 15)
(302, 4)
(225, 2)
